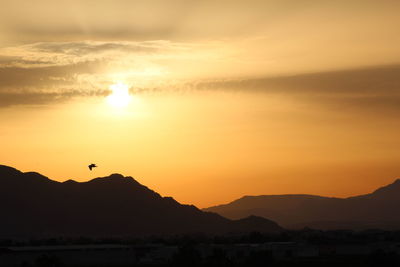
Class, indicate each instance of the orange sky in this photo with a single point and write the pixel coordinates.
(227, 98)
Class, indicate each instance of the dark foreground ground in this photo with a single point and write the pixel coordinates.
(292, 248)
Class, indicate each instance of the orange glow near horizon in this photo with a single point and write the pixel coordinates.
(201, 148)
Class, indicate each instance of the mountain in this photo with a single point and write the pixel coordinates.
(32, 205)
(376, 210)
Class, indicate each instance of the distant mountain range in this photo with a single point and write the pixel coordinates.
(376, 210)
(31, 205)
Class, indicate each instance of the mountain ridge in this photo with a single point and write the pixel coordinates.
(303, 210)
(32, 205)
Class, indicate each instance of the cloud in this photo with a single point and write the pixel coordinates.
(87, 48)
(48, 69)
(63, 53)
(375, 89)
(8, 99)
(17, 78)
(372, 80)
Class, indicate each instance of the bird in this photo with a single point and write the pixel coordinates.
(91, 166)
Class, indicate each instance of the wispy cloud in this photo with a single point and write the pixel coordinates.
(54, 68)
(64, 53)
(8, 99)
(375, 89)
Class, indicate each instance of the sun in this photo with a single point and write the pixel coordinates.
(120, 96)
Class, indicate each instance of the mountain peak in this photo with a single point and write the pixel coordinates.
(70, 181)
(13, 175)
(258, 223)
(114, 178)
(36, 176)
(6, 170)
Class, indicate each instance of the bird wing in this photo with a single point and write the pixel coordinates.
(91, 166)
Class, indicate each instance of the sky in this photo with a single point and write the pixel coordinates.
(204, 101)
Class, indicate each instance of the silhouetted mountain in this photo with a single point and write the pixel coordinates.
(32, 205)
(375, 210)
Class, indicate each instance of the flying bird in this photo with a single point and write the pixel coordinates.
(91, 166)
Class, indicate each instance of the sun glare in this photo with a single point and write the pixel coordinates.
(120, 96)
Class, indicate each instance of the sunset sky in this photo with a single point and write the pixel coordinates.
(204, 101)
